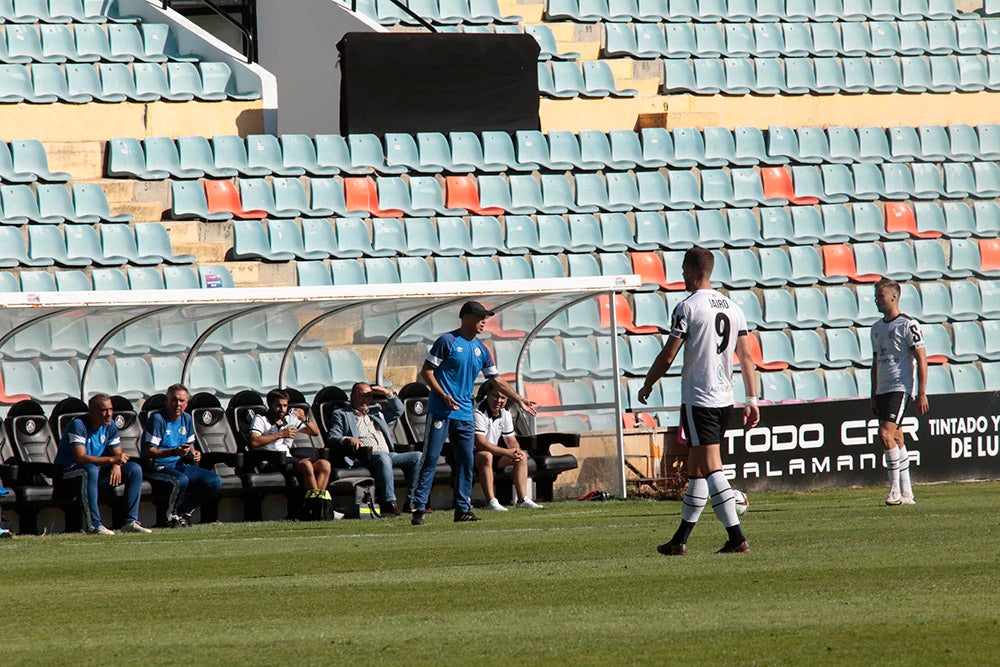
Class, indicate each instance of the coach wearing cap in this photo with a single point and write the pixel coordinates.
(450, 371)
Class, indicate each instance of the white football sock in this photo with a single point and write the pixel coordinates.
(904, 472)
(694, 499)
(892, 467)
(723, 501)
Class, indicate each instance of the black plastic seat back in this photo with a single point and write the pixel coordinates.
(242, 408)
(325, 402)
(211, 427)
(29, 432)
(154, 403)
(129, 428)
(63, 413)
(297, 400)
(413, 424)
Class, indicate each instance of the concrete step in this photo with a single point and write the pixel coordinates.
(143, 211)
(83, 159)
(259, 274)
(205, 252)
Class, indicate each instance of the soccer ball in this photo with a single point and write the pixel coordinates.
(742, 502)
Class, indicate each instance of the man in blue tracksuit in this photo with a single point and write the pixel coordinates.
(91, 451)
(450, 370)
(168, 439)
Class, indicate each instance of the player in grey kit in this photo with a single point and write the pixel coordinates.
(712, 327)
(898, 347)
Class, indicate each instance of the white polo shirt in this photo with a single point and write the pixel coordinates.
(493, 428)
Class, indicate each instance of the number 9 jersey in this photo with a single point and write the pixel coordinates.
(709, 325)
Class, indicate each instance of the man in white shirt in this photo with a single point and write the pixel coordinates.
(275, 432)
(493, 422)
(712, 327)
(898, 348)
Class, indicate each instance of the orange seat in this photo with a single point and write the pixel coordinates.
(222, 196)
(777, 184)
(623, 313)
(544, 395)
(11, 399)
(989, 254)
(463, 192)
(638, 420)
(838, 260)
(899, 217)
(494, 327)
(650, 268)
(360, 194)
(758, 356)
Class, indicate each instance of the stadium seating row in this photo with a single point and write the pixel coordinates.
(142, 277)
(89, 43)
(62, 339)
(25, 161)
(584, 233)
(553, 194)
(742, 11)
(48, 83)
(437, 12)
(158, 158)
(798, 40)
(53, 204)
(565, 80)
(81, 246)
(137, 377)
(735, 268)
(61, 11)
(824, 76)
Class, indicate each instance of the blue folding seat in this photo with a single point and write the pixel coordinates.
(15, 252)
(782, 144)
(916, 74)
(567, 80)
(250, 242)
(710, 76)
(808, 387)
(596, 149)
(679, 77)
(298, 152)
(887, 75)
(970, 37)
(838, 183)
(284, 236)
(126, 157)
(55, 201)
(620, 41)
(827, 42)
(973, 74)
(189, 203)
(841, 385)
(779, 309)
(841, 306)
(969, 343)
(20, 207)
(89, 199)
(740, 41)
(118, 240)
(843, 349)
(744, 270)
(769, 40)
(401, 152)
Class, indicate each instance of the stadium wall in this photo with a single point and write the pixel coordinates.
(300, 48)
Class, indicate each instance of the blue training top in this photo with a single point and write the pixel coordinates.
(457, 362)
(161, 434)
(94, 441)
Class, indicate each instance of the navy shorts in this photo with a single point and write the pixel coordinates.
(705, 426)
(892, 407)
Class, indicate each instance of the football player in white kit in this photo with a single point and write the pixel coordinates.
(712, 327)
(898, 347)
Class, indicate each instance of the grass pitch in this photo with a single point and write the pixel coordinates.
(835, 577)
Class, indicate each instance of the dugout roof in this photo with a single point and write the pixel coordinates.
(279, 326)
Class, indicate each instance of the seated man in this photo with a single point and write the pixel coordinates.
(168, 439)
(366, 425)
(493, 421)
(84, 454)
(275, 432)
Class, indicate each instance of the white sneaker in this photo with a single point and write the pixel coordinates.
(894, 499)
(908, 500)
(495, 505)
(135, 527)
(528, 504)
(101, 530)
